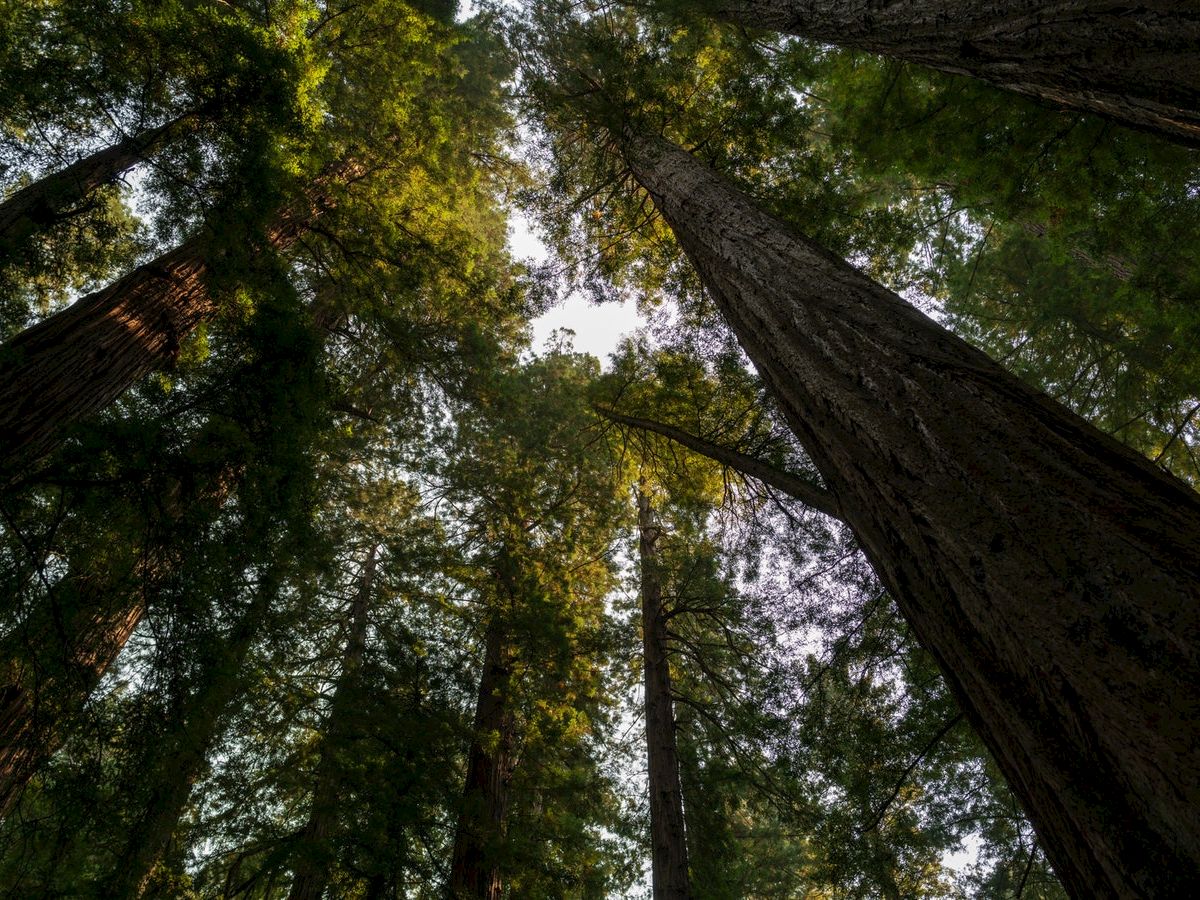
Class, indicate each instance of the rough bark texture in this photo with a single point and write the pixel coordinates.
(1133, 61)
(794, 486)
(183, 753)
(310, 873)
(81, 359)
(1053, 573)
(668, 860)
(474, 872)
(57, 195)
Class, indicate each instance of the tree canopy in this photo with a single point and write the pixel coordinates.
(863, 568)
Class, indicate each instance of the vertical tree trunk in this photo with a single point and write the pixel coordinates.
(311, 872)
(474, 873)
(81, 359)
(669, 862)
(54, 196)
(1053, 573)
(1132, 61)
(180, 761)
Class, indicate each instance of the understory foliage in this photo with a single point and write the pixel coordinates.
(360, 484)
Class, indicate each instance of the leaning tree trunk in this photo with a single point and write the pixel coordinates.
(668, 860)
(1053, 573)
(796, 487)
(53, 661)
(50, 670)
(1134, 61)
(311, 874)
(55, 196)
(50, 664)
(81, 359)
(474, 873)
(180, 761)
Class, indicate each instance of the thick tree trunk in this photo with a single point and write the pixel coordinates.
(1053, 573)
(180, 761)
(55, 196)
(668, 860)
(794, 486)
(1134, 61)
(311, 873)
(474, 873)
(81, 359)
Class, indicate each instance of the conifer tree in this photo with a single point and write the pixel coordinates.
(1134, 63)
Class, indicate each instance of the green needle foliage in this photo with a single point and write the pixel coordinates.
(343, 599)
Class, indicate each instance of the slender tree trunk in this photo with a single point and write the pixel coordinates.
(53, 661)
(669, 861)
(794, 486)
(81, 359)
(180, 762)
(311, 871)
(1053, 573)
(474, 873)
(55, 196)
(49, 674)
(1133, 61)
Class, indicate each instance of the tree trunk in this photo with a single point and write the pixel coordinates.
(794, 486)
(57, 195)
(669, 862)
(53, 661)
(311, 872)
(1133, 61)
(81, 359)
(474, 873)
(1053, 573)
(51, 670)
(180, 761)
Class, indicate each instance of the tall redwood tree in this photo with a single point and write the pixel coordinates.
(1134, 62)
(1053, 573)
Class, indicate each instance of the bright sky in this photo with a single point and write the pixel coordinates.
(597, 328)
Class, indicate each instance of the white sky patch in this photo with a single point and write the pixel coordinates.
(598, 328)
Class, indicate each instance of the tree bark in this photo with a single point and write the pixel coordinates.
(53, 661)
(81, 359)
(794, 486)
(668, 861)
(180, 762)
(1053, 573)
(1132, 61)
(474, 872)
(49, 674)
(310, 873)
(54, 196)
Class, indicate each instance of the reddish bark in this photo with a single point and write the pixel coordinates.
(1053, 573)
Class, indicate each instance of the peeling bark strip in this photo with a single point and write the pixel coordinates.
(668, 861)
(1053, 573)
(53, 197)
(794, 486)
(1136, 62)
(80, 360)
(474, 873)
(311, 875)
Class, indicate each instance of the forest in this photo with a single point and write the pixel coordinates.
(866, 566)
